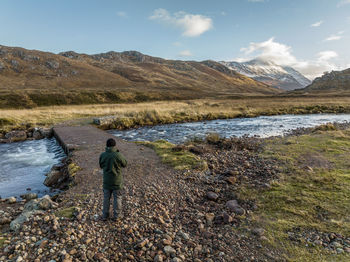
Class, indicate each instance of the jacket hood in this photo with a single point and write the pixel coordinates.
(112, 149)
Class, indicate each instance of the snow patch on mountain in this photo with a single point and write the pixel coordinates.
(282, 77)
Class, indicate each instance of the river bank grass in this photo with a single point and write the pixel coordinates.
(310, 199)
(163, 112)
(176, 157)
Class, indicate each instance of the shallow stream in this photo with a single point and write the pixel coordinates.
(263, 126)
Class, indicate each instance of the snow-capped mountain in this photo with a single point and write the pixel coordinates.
(282, 77)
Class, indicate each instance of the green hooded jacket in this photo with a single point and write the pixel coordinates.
(112, 161)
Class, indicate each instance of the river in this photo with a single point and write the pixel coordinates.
(24, 164)
(263, 126)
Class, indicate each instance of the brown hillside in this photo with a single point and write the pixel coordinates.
(41, 78)
(335, 82)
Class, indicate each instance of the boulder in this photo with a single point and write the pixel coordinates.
(33, 207)
(44, 203)
(37, 134)
(46, 132)
(232, 204)
(239, 211)
(23, 217)
(52, 64)
(15, 136)
(52, 178)
(29, 196)
(11, 200)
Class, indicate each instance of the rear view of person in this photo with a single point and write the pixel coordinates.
(112, 162)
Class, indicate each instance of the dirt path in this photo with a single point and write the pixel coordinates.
(166, 215)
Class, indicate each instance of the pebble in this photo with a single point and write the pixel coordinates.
(11, 200)
(169, 251)
(258, 231)
(212, 196)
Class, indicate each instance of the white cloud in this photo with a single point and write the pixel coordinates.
(281, 54)
(326, 55)
(343, 2)
(185, 53)
(335, 37)
(272, 51)
(177, 44)
(192, 25)
(122, 14)
(317, 24)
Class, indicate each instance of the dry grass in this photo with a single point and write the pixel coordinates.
(149, 113)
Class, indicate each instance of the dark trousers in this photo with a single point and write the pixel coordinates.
(117, 204)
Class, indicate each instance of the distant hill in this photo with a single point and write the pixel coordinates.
(31, 78)
(332, 82)
(281, 77)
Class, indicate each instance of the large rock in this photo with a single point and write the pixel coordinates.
(11, 200)
(232, 204)
(44, 203)
(37, 134)
(53, 178)
(29, 196)
(105, 120)
(52, 64)
(33, 207)
(22, 218)
(234, 207)
(15, 136)
(46, 132)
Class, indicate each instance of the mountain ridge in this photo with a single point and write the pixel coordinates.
(281, 77)
(334, 81)
(44, 78)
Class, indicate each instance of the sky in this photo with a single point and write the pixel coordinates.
(313, 36)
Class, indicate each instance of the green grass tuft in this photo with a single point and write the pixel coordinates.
(171, 155)
(66, 212)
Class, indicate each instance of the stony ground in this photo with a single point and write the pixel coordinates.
(169, 215)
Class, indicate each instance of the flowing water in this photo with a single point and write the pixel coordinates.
(263, 126)
(23, 165)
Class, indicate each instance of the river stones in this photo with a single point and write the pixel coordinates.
(29, 196)
(11, 200)
(16, 136)
(212, 196)
(33, 207)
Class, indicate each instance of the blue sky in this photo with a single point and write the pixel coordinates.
(311, 35)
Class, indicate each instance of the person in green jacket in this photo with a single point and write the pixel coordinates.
(112, 162)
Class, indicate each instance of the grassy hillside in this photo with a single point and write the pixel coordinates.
(334, 83)
(30, 78)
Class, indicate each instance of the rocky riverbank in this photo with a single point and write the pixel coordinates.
(30, 133)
